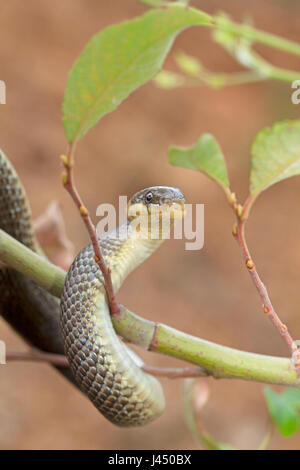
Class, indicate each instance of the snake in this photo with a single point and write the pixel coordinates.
(79, 324)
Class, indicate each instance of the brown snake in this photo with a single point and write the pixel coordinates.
(106, 370)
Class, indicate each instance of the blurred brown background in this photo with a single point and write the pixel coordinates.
(207, 293)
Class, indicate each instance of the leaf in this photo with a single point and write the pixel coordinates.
(168, 80)
(283, 412)
(118, 60)
(275, 155)
(188, 64)
(292, 396)
(204, 156)
(231, 40)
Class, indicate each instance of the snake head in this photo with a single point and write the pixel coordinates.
(155, 207)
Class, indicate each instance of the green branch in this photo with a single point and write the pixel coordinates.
(237, 40)
(38, 269)
(254, 35)
(238, 43)
(219, 361)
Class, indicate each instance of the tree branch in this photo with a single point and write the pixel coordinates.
(246, 31)
(35, 355)
(40, 356)
(219, 361)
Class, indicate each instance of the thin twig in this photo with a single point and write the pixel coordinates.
(35, 355)
(175, 372)
(39, 356)
(239, 234)
(69, 184)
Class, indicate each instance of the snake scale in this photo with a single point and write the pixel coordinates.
(103, 367)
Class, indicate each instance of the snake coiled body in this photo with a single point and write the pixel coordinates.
(104, 368)
(101, 363)
(26, 306)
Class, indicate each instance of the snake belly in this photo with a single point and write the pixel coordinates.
(105, 369)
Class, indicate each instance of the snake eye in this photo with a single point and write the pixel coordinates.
(149, 197)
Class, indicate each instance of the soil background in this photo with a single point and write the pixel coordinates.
(207, 293)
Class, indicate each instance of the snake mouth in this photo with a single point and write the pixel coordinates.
(163, 200)
(176, 210)
(157, 209)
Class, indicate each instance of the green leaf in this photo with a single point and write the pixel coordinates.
(168, 80)
(292, 396)
(204, 156)
(275, 155)
(118, 60)
(188, 64)
(283, 412)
